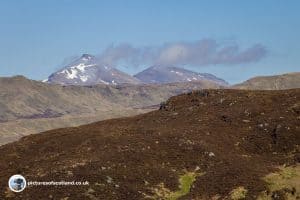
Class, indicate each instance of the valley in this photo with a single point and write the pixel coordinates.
(29, 106)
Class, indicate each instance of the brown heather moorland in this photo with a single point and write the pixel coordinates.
(207, 144)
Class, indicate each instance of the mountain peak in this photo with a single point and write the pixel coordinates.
(86, 56)
(87, 71)
(170, 74)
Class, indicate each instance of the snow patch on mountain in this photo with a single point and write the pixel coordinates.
(84, 78)
(82, 66)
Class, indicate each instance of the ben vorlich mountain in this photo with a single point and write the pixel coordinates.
(88, 71)
(171, 74)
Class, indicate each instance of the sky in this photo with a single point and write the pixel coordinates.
(232, 39)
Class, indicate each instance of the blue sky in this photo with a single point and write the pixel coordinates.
(37, 36)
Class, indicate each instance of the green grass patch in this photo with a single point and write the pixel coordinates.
(238, 193)
(185, 183)
(285, 182)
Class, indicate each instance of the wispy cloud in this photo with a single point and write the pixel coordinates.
(199, 53)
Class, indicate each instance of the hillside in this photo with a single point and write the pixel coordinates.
(278, 82)
(208, 144)
(28, 106)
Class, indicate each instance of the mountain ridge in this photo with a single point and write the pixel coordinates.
(169, 74)
(273, 82)
(89, 70)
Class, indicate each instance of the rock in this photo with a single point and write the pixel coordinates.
(222, 100)
(237, 144)
(211, 154)
(109, 179)
(296, 108)
(247, 113)
(202, 93)
(225, 118)
(70, 173)
(146, 182)
(163, 106)
(191, 108)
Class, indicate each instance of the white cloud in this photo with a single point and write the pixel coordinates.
(199, 53)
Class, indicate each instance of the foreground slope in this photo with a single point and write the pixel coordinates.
(28, 106)
(210, 144)
(278, 82)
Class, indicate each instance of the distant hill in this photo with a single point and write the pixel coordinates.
(171, 74)
(278, 82)
(28, 106)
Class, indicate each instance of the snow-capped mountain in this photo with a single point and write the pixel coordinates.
(87, 71)
(170, 74)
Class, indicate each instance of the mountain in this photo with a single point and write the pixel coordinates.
(278, 82)
(88, 71)
(170, 74)
(28, 106)
(208, 144)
